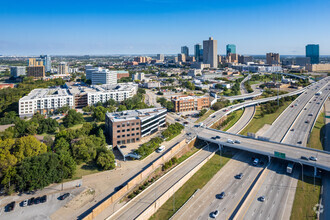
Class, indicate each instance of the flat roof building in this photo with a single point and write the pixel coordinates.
(190, 103)
(130, 126)
(17, 71)
(35, 71)
(210, 55)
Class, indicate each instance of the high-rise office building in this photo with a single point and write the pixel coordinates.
(185, 50)
(35, 62)
(230, 48)
(313, 52)
(62, 68)
(181, 57)
(104, 77)
(160, 57)
(272, 58)
(35, 71)
(210, 52)
(17, 71)
(198, 55)
(47, 61)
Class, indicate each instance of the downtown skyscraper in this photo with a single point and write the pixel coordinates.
(210, 52)
(313, 52)
(230, 48)
(198, 52)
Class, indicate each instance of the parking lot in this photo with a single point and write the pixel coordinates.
(41, 210)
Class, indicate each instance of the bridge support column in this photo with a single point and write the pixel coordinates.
(302, 174)
(315, 171)
(220, 150)
(269, 158)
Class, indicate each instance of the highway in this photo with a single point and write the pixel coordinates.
(146, 198)
(244, 120)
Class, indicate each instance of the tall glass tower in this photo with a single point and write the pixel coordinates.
(47, 62)
(230, 48)
(198, 52)
(313, 52)
(185, 50)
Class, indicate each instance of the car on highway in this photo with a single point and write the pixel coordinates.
(307, 121)
(299, 142)
(237, 142)
(213, 116)
(304, 158)
(230, 141)
(261, 198)
(64, 196)
(313, 158)
(239, 176)
(255, 161)
(218, 137)
(213, 138)
(292, 129)
(221, 195)
(10, 207)
(310, 114)
(185, 122)
(305, 108)
(318, 103)
(214, 214)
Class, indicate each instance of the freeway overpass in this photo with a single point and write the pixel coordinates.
(268, 148)
(293, 75)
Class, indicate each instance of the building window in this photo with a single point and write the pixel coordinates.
(118, 126)
(123, 130)
(118, 136)
(118, 131)
(128, 135)
(123, 135)
(128, 129)
(133, 129)
(137, 139)
(133, 134)
(137, 128)
(118, 142)
(137, 134)
(132, 123)
(123, 125)
(137, 123)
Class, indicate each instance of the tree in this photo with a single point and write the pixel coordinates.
(106, 160)
(73, 118)
(121, 108)
(28, 146)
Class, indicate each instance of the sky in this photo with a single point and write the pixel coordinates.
(162, 26)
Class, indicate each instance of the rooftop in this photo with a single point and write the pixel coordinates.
(46, 93)
(187, 97)
(134, 114)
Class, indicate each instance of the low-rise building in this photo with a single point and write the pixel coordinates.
(324, 67)
(194, 72)
(16, 71)
(130, 126)
(122, 74)
(190, 103)
(35, 71)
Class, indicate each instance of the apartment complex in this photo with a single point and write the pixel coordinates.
(130, 126)
(273, 58)
(190, 103)
(75, 96)
(44, 101)
(16, 71)
(62, 68)
(210, 55)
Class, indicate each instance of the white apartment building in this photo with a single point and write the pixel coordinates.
(44, 101)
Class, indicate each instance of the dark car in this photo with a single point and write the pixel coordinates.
(213, 138)
(43, 199)
(10, 207)
(221, 195)
(213, 116)
(31, 201)
(239, 176)
(261, 198)
(299, 142)
(217, 137)
(64, 196)
(304, 158)
(123, 146)
(37, 200)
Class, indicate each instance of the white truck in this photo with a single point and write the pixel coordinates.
(289, 168)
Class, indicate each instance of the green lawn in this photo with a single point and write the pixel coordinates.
(205, 116)
(238, 115)
(306, 198)
(85, 169)
(228, 93)
(197, 181)
(258, 122)
(317, 135)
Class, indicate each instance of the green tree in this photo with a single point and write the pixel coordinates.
(73, 118)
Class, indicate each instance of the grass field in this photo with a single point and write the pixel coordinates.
(197, 181)
(238, 115)
(305, 199)
(258, 122)
(85, 169)
(317, 135)
(205, 116)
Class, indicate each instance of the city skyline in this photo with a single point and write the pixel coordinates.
(152, 27)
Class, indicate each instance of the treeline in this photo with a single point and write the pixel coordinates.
(272, 106)
(220, 104)
(9, 97)
(147, 148)
(172, 131)
(100, 109)
(166, 104)
(248, 87)
(28, 164)
(235, 89)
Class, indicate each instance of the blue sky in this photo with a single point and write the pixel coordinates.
(162, 26)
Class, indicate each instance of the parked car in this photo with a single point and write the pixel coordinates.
(160, 149)
(37, 200)
(214, 214)
(299, 142)
(43, 199)
(64, 196)
(10, 207)
(123, 146)
(25, 203)
(31, 201)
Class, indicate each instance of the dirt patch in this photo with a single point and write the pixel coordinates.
(83, 198)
